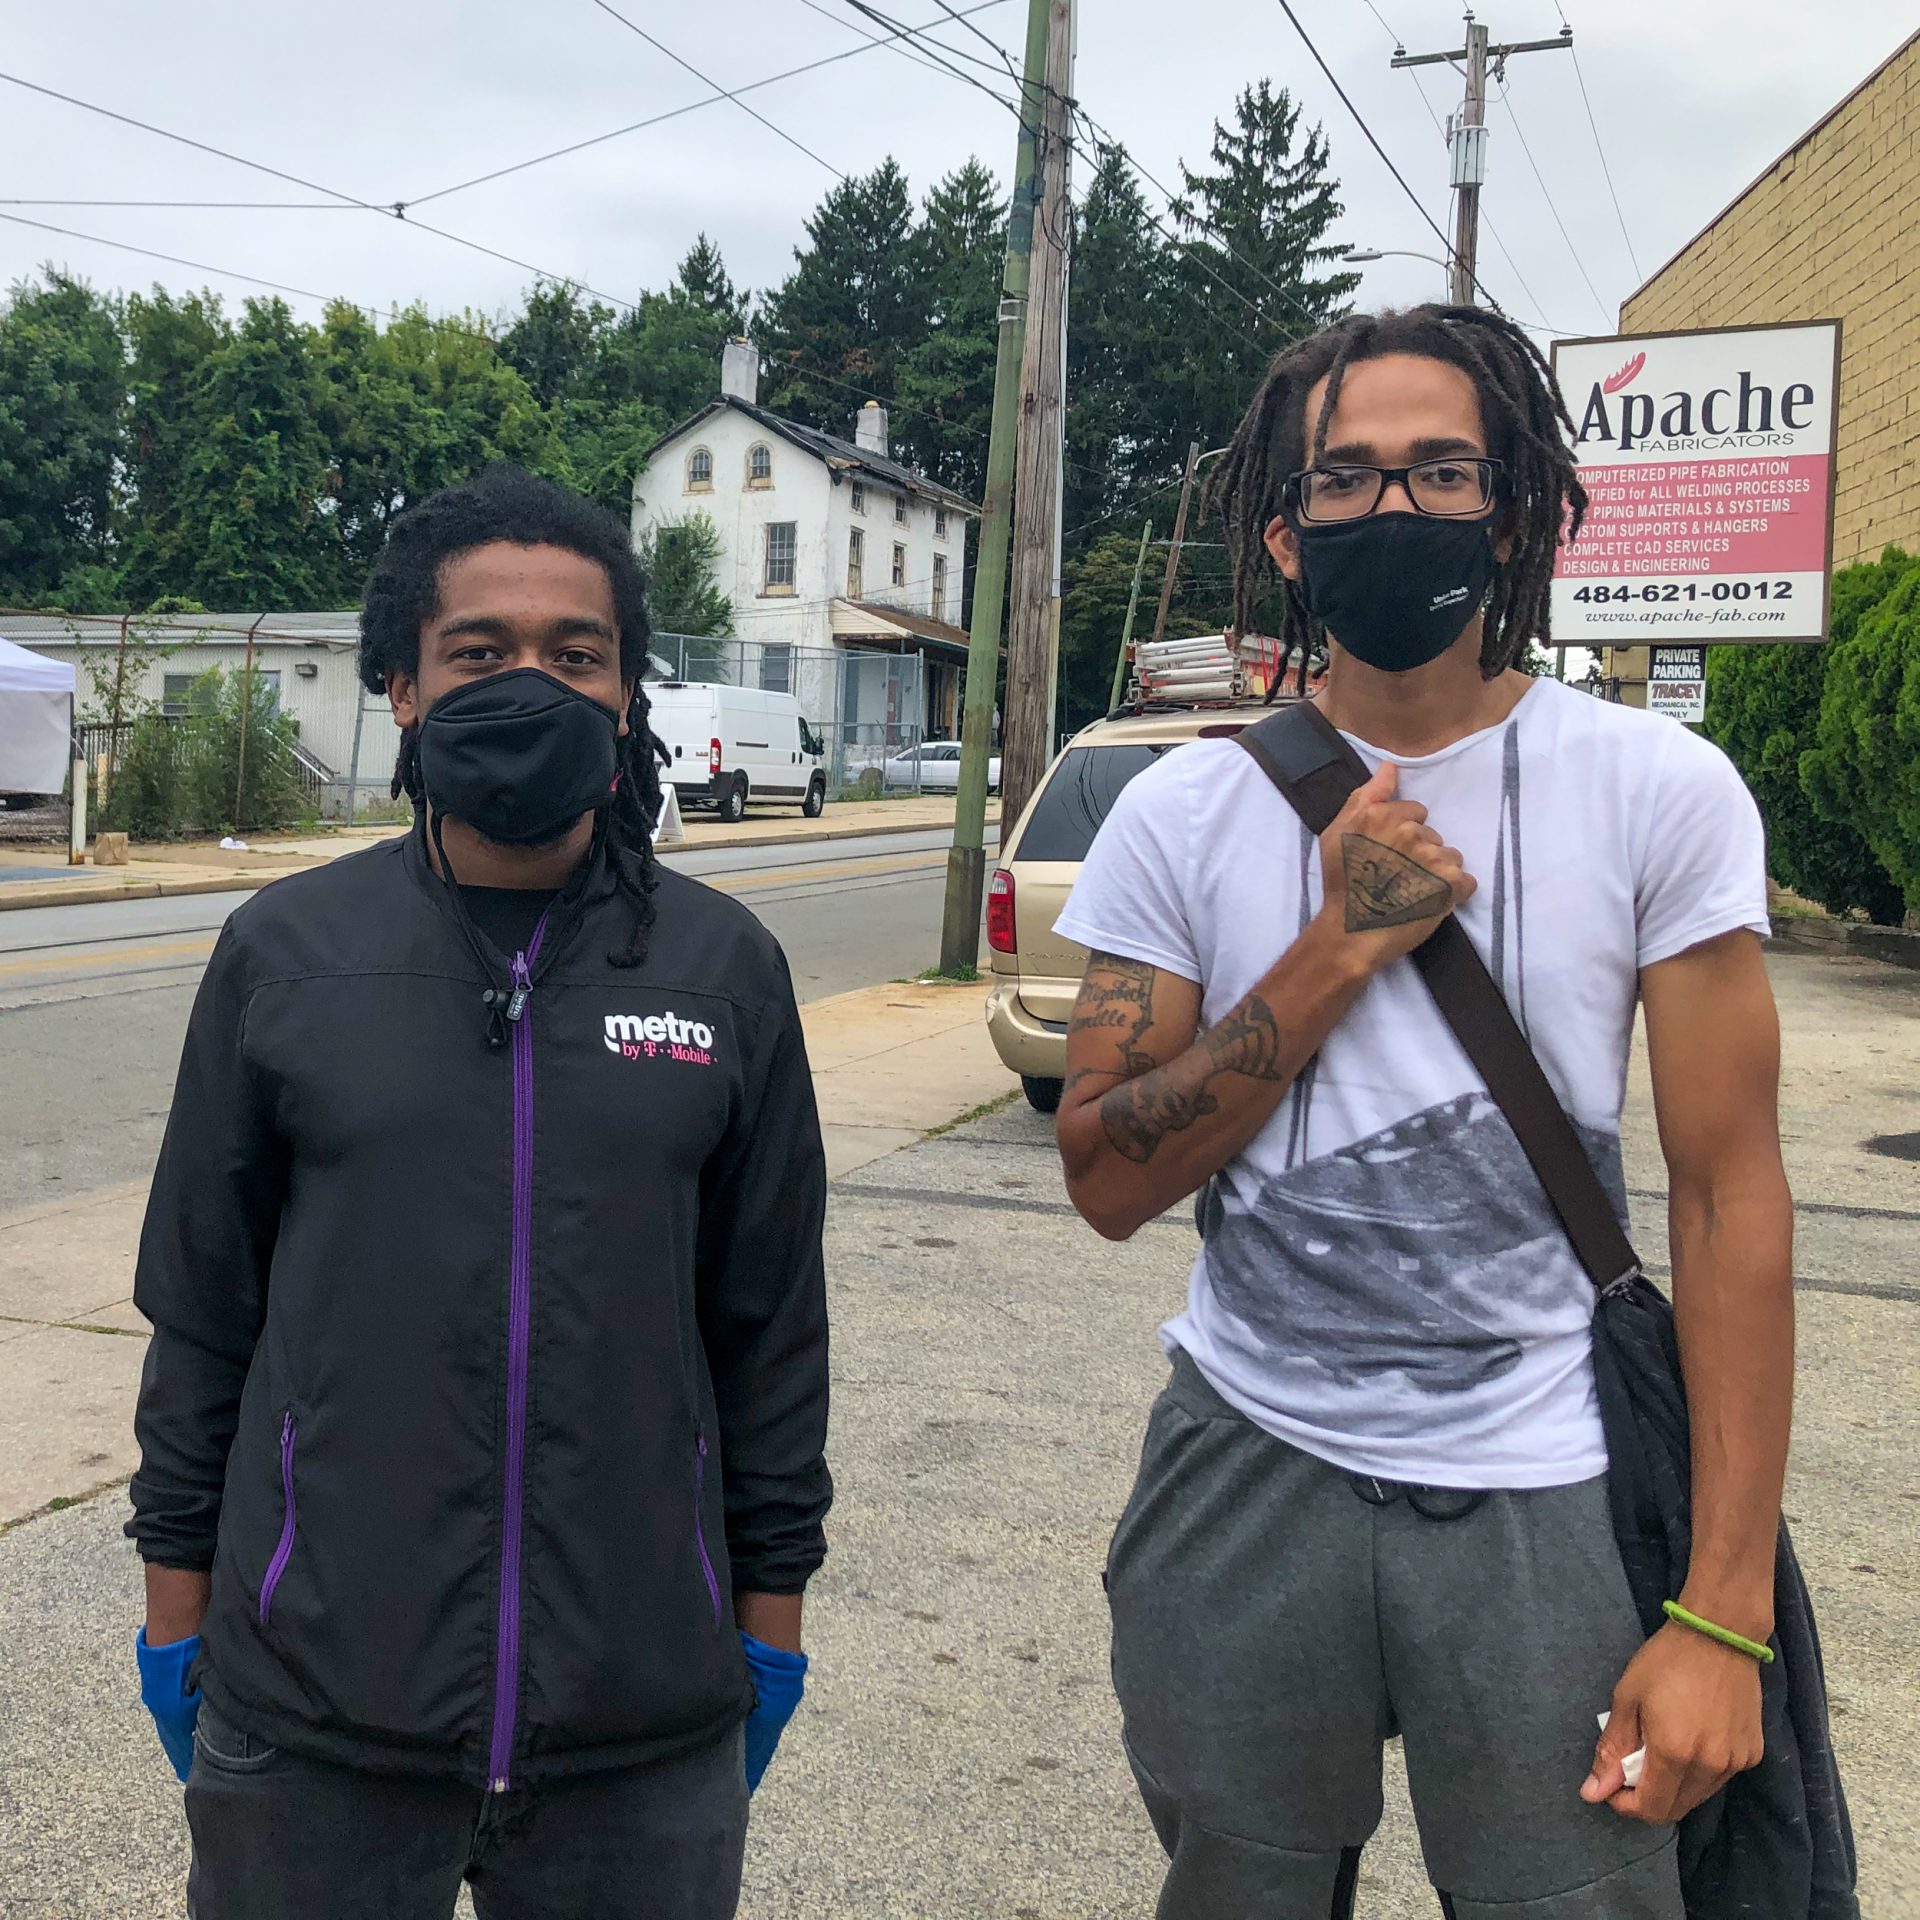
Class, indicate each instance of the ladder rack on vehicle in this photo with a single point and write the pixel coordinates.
(1205, 667)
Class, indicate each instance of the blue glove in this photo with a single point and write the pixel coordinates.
(165, 1694)
(779, 1679)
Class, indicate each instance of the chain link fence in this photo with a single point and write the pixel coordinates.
(868, 706)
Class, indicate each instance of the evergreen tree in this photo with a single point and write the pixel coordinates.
(945, 382)
(854, 306)
(551, 344)
(702, 278)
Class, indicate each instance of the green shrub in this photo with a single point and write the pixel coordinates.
(1864, 767)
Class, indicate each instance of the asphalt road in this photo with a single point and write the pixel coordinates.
(94, 999)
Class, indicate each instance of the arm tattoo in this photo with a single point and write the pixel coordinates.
(1385, 888)
(1117, 998)
(1139, 1114)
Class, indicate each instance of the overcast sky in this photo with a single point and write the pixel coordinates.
(390, 100)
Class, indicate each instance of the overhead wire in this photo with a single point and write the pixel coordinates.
(1598, 146)
(753, 113)
(891, 43)
(1006, 59)
(1506, 100)
(672, 113)
(286, 206)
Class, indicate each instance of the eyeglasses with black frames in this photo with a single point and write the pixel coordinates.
(1453, 487)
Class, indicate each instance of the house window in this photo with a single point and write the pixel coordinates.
(856, 564)
(899, 565)
(859, 496)
(780, 553)
(939, 586)
(179, 698)
(939, 523)
(700, 471)
(776, 668)
(899, 509)
(760, 466)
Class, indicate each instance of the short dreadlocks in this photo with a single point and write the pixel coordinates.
(505, 503)
(1526, 425)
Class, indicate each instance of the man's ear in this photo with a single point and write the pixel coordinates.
(1284, 544)
(1504, 532)
(626, 707)
(403, 696)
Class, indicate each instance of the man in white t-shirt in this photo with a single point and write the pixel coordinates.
(1372, 1498)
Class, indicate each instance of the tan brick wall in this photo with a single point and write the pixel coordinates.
(1832, 230)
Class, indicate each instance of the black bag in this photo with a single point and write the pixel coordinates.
(1775, 1842)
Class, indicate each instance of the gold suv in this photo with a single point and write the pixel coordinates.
(1036, 974)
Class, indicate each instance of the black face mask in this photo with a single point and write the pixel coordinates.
(518, 756)
(1395, 589)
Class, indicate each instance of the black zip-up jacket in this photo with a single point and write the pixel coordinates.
(489, 1353)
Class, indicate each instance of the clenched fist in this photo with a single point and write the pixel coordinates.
(1390, 878)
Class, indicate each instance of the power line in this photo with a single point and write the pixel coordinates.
(397, 211)
(1006, 59)
(1360, 122)
(871, 40)
(286, 206)
(1598, 148)
(1506, 99)
(753, 113)
(940, 53)
(673, 113)
(173, 259)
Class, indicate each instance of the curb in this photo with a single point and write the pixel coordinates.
(19, 898)
(1810, 934)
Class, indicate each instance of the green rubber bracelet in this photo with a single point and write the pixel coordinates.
(1725, 1635)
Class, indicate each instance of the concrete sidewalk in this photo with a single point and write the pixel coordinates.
(37, 877)
(890, 1064)
(957, 1756)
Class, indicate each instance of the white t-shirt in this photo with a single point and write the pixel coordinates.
(1381, 1280)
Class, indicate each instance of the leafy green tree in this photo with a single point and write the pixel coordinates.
(1763, 709)
(1864, 770)
(684, 595)
(945, 381)
(422, 404)
(854, 306)
(173, 340)
(62, 388)
(553, 340)
(258, 473)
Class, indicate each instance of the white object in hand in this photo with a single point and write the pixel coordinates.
(1630, 1763)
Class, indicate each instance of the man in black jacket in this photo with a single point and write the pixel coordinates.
(482, 1428)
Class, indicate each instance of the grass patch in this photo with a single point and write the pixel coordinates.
(973, 1113)
(933, 977)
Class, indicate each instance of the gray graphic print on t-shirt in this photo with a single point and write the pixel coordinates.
(1413, 1259)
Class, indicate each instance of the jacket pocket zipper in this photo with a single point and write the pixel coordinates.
(289, 1435)
(699, 1522)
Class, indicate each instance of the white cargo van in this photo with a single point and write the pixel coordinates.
(728, 745)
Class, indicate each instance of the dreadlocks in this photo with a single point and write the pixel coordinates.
(507, 504)
(1523, 417)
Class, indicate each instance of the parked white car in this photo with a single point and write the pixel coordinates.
(728, 745)
(934, 767)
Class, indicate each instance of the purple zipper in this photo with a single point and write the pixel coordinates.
(284, 1551)
(699, 1529)
(506, 1676)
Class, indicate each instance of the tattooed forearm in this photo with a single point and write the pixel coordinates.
(1139, 1114)
(1385, 888)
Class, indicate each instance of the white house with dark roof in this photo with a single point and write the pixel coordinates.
(825, 543)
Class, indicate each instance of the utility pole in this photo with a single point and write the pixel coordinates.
(966, 860)
(1026, 742)
(1173, 548)
(1467, 139)
(1126, 629)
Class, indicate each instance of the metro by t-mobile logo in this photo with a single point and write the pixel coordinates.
(649, 1036)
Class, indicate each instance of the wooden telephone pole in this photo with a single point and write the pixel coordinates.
(1033, 626)
(1467, 140)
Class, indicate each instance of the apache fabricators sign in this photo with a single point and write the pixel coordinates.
(1708, 463)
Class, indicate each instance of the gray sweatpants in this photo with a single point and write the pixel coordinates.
(1275, 1621)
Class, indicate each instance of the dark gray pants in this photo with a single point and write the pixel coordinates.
(1272, 1627)
(277, 1837)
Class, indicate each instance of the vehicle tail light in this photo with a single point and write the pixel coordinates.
(713, 756)
(1000, 934)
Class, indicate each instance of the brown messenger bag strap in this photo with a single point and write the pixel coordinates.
(1304, 755)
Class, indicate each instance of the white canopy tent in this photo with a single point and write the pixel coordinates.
(36, 721)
